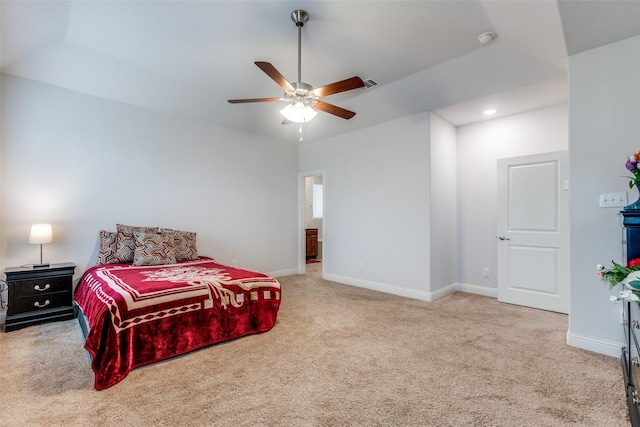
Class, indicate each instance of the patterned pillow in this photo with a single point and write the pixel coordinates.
(153, 249)
(125, 242)
(107, 250)
(184, 243)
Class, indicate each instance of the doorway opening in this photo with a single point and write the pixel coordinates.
(312, 223)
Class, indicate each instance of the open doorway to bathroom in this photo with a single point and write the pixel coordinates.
(312, 221)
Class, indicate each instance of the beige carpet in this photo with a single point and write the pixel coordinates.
(338, 356)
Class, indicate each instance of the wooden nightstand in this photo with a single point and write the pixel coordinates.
(39, 295)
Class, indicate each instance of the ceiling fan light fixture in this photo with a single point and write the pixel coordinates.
(298, 112)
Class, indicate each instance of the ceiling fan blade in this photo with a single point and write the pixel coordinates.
(271, 71)
(341, 86)
(333, 109)
(242, 101)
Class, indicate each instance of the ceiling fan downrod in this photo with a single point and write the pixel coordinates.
(299, 16)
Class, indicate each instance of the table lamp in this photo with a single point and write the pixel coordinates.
(41, 234)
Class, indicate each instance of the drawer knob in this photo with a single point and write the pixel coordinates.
(37, 304)
(38, 288)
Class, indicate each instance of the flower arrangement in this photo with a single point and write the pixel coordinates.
(628, 275)
(617, 273)
(632, 166)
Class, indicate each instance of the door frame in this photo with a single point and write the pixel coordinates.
(302, 256)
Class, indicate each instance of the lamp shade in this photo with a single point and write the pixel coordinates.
(41, 233)
(298, 112)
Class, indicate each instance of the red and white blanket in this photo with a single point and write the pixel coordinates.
(140, 315)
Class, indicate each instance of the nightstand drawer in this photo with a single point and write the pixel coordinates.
(40, 302)
(42, 286)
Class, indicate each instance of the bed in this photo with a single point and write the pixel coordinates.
(133, 315)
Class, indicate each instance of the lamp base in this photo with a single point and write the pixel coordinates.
(40, 265)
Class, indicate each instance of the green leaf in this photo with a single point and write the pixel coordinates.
(619, 268)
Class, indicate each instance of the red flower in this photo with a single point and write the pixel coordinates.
(634, 263)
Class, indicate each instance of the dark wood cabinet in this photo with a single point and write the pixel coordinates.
(630, 357)
(630, 361)
(631, 223)
(312, 242)
(39, 294)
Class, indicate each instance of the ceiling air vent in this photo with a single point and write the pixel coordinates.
(369, 83)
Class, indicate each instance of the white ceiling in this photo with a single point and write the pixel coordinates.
(186, 58)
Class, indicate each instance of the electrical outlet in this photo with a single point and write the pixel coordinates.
(235, 263)
(485, 272)
(362, 266)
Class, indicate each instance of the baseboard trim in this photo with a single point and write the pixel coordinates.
(381, 287)
(478, 290)
(443, 292)
(413, 293)
(597, 345)
(282, 273)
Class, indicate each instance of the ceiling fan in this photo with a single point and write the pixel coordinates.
(302, 97)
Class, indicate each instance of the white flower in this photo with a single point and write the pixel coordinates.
(599, 267)
(629, 295)
(624, 295)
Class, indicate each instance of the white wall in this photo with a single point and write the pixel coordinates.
(480, 145)
(604, 130)
(84, 164)
(443, 204)
(377, 187)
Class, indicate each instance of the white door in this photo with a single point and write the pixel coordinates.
(533, 231)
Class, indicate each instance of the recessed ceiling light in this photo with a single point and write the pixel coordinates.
(489, 112)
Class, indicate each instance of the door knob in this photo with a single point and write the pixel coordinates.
(501, 237)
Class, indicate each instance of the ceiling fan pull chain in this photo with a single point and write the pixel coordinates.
(300, 132)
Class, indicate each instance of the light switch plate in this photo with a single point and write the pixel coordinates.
(613, 200)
